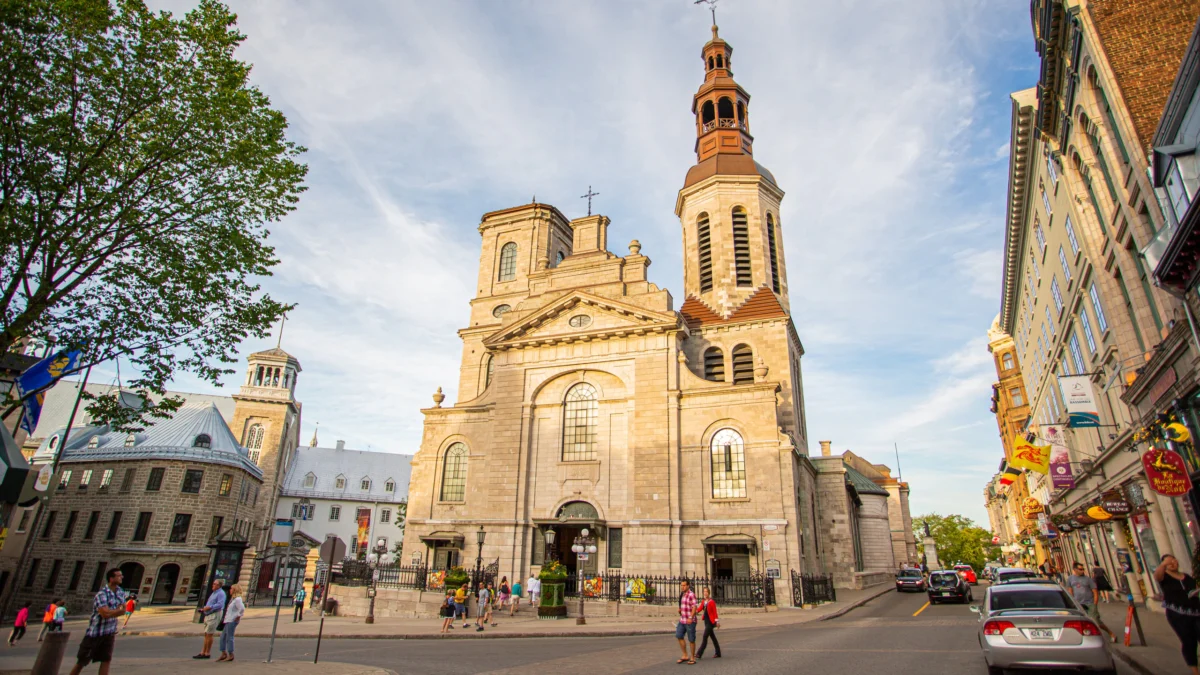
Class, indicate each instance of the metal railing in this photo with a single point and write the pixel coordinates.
(755, 590)
(359, 573)
(810, 589)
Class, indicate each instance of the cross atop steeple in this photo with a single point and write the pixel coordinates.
(588, 197)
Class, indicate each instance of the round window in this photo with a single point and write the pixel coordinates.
(500, 310)
(581, 321)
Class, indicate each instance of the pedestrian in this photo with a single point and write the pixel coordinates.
(48, 619)
(516, 598)
(130, 605)
(1083, 590)
(492, 604)
(504, 596)
(534, 585)
(101, 635)
(483, 606)
(1181, 605)
(447, 612)
(460, 604)
(708, 611)
(233, 616)
(1100, 576)
(60, 617)
(19, 625)
(213, 610)
(686, 628)
(316, 594)
(298, 605)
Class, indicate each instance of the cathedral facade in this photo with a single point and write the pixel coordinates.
(588, 399)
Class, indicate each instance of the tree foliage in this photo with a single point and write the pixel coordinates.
(138, 170)
(958, 539)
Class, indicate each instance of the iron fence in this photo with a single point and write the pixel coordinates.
(359, 573)
(810, 589)
(755, 590)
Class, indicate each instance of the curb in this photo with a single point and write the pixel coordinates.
(857, 604)
(1129, 660)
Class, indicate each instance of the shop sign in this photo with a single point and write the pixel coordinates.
(1082, 519)
(1162, 384)
(1080, 401)
(1166, 472)
(1061, 476)
(1031, 508)
(1098, 513)
(1115, 504)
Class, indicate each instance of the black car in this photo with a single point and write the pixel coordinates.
(910, 580)
(948, 586)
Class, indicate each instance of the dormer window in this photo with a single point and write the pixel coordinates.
(340, 483)
(53, 443)
(130, 440)
(365, 485)
(94, 442)
(202, 441)
(310, 480)
(389, 486)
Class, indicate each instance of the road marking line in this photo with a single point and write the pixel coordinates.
(923, 608)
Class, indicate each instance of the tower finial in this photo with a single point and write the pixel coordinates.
(282, 320)
(712, 7)
(313, 444)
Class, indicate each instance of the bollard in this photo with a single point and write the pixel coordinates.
(50, 656)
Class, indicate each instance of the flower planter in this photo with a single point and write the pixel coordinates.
(552, 605)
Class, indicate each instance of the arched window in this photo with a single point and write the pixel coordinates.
(774, 253)
(710, 63)
(720, 61)
(708, 115)
(741, 247)
(559, 257)
(508, 262)
(488, 365)
(202, 441)
(743, 365)
(704, 247)
(500, 310)
(741, 112)
(454, 473)
(728, 465)
(365, 485)
(53, 443)
(725, 109)
(579, 423)
(258, 378)
(714, 364)
(130, 441)
(1008, 361)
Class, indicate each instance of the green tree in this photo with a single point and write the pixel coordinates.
(958, 539)
(138, 170)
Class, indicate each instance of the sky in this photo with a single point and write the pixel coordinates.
(886, 123)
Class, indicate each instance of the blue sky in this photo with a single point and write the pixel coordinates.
(886, 123)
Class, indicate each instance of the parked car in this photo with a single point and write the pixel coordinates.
(1006, 575)
(968, 573)
(947, 585)
(910, 580)
(1038, 625)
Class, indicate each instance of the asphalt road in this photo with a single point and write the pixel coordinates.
(894, 634)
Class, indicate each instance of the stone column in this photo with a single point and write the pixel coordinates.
(931, 556)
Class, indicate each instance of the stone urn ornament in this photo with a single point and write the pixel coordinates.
(761, 370)
(438, 397)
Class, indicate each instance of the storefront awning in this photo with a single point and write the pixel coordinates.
(452, 539)
(730, 540)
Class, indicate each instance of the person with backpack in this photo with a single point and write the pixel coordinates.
(447, 612)
(19, 625)
(298, 605)
(48, 619)
(708, 611)
(60, 617)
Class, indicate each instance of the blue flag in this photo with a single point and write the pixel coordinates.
(32, 384)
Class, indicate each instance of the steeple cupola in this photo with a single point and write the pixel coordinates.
(720, 105)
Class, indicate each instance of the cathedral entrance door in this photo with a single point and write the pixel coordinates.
(575, 562)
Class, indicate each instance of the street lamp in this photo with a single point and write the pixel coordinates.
(584, 544)
(549, 542)
(479, 536)
(373, 559)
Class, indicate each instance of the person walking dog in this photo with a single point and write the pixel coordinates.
(298, 605)
(233, 616)
(1182, 607)
(708, 611)
(686, 628)
(101, 635)
(213, 611)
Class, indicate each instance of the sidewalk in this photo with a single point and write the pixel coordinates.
(9, 666)
(1161, 654)
(257, 623)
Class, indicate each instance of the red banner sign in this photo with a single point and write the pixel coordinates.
(1166, 472)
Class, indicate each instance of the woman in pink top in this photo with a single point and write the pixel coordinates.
(18, 630)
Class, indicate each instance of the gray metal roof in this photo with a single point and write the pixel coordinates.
(173, 438)
(862, 484)
(61, 398)
(327, 464)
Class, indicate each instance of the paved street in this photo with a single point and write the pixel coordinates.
(882, 636)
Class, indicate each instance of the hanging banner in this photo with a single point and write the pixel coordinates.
(1166, 472)
(1061, 475)
(364, 530)
(1080, 401)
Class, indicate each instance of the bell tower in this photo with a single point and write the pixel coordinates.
(729, 204)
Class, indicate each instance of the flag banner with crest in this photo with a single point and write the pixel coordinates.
(1025, 455)
(33, 383)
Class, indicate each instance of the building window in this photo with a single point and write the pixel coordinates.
(142, 528)
(93, 442)
(156, 478)
(1076, 355)
(26, 516)
(1050, 170)
(335, 513)
(1050, 320)
(49, 524)
(1066, 368)
(85, 479)
(340, 483)
(53, 445)
(741, 248)
(254, 437)
(728, 465)
(310, 480)
(114, 526)
(489, 365)
(454, 473)
(1041, 236)
(559, 257)
(508, 262)
(90, 530)
(33, 570)
(1177, 194)
(714, 364)
(69, 529)
(773, 253)
(1086, 325)
(389, 486)
(743, 365)
(1037, 271)
(1008, 361)
(1071, 235)
(1101, 322)
(76, 572)
(215, 528)
(1062, 258)
(127, 481)
(192, 478)
(98, 577)
(106, 479)
(1017, 399)
(302, 511)
(130, 440)
(1058, 302)
(179, 528)
(202, 441)
(1046, 202)
(52, 579)
(704, 252)
(501, 310)
(579, 423)
(64, 481)
(614, 547)
(226, 485)
(365, 485)
(385, 515)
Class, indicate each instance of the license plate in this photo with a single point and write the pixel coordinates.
(945, 593)
(1041, 634)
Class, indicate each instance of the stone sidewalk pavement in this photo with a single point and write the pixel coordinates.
(20, 666)
(1160, 656)
(258, 620)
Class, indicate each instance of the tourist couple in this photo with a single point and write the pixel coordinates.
(689, 609)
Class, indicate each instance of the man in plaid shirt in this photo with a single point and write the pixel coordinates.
(687, 622)
(101, 633)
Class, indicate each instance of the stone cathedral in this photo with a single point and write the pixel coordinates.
(589, 400)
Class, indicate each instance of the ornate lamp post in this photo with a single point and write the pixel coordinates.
(549, 542)
(584, 544)
(479, 537)
(373, 559)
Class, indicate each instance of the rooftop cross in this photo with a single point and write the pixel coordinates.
(712, 7)
(282, 320)
(588, 197)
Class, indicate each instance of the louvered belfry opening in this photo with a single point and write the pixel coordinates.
(743, 365)
(773, 252)
(741, 247)
(714, 364)
(704, 246)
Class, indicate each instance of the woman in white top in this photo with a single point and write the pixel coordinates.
(233, 614)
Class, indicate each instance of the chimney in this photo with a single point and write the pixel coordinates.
(825, 451)
(341, 445)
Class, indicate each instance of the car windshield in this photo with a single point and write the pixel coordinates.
(944, 580)
(1011, 576)
(1040, 598)
(963, 568)
(910, 574)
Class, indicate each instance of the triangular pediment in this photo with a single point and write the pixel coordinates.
(580, 316)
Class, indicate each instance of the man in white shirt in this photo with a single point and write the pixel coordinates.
(535, 590)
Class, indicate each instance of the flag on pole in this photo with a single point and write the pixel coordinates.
(1032, 457)
(1009, 474)
(33, 383)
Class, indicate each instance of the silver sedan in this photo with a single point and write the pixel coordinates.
(1038, 626)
